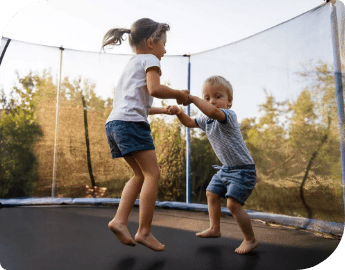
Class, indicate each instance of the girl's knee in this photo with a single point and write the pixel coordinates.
(156, 175)
(137, 179)
(140, 177)
(152, 176)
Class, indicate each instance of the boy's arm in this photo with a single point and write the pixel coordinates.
(157, 90)
(184, 118)
(207, 108)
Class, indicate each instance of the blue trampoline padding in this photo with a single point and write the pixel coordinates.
(296, 222)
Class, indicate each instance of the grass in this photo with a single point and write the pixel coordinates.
(325, 198)
(282, 196)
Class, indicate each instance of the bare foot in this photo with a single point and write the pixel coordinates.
(246, 246)
(209, 233)
(149, 241)
(122, 233)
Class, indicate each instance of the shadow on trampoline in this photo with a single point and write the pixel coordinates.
(132, 263)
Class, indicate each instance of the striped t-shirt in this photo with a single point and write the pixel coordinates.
(226, 139)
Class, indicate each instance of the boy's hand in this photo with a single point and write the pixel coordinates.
(184, 98)
(166, 110)
(173, 110)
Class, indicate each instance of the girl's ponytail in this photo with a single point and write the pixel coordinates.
(140, 31)
(114, 36)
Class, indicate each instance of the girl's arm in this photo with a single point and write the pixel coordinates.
(155, 110)
(207, 108)
(157, 90)
(184, 118)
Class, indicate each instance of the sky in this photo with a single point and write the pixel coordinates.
(196, 25)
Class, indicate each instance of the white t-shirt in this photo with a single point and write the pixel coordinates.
(132, 100)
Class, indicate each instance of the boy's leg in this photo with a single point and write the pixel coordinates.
(214, 211)
(129, 194)
(243, 220)
(148, 163)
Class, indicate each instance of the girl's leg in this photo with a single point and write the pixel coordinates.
(148, 163)
(214, 210)
(130, 192)
(243, 220)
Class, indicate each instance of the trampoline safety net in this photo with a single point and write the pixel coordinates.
(284, 98)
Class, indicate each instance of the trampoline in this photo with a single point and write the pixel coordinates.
(77, 237)
(63, 233)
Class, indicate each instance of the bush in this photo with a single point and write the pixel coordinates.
(171, 155)
(18, 132)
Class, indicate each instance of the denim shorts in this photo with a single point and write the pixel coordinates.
(125, 138)
(236, 182)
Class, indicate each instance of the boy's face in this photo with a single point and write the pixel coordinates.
(217, 95)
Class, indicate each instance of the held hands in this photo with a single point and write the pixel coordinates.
(184, 98)
(172, 110)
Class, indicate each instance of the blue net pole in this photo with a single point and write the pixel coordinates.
(338, 89)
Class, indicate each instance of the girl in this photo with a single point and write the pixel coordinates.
(127, 128)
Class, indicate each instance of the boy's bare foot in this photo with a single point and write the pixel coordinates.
(209, 233)
(246, 246)
(149, 241)
(122, 233)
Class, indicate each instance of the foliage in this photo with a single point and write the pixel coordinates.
(19, 130)
(301, 154)
(266, 139)
(171, 155)
(288, 141)
(72, 165)
(202, 159)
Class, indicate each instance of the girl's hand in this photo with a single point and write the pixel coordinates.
(184, 98)
(173, 110)
(189, 98)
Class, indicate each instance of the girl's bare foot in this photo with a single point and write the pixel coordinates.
(209, 233)
(122, 233)
(247, 246)
(149, 241)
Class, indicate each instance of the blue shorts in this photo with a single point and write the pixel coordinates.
(127, 137)
(236, 182)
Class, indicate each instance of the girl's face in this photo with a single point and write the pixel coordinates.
(159, 47)
(217, 95)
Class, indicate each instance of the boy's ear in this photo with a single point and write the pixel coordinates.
(230, 102)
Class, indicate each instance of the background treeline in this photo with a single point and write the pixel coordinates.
(295, 146)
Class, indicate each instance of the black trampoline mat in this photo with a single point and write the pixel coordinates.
(77, 237)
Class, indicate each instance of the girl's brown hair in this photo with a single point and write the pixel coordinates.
(140, 31)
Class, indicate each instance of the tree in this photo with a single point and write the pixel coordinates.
(202, 159)
(266, 139)
(19, 130)
(322, 94)
(171, 156)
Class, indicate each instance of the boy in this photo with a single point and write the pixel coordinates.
(236, 179)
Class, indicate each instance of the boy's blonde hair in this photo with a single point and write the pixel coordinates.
(219, 80)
